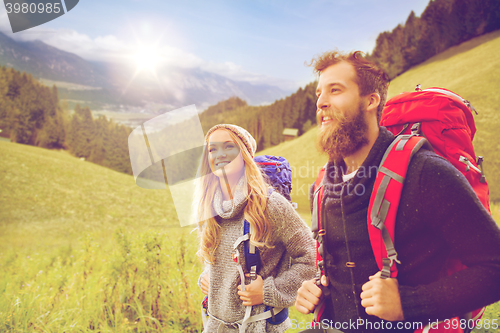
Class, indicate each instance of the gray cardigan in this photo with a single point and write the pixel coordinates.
(284, 267)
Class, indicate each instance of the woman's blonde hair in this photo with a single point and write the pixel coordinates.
(255, 189)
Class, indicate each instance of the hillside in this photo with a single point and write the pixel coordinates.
(51, 193)
(472, 70)
(444, 23)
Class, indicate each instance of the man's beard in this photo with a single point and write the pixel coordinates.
(345, 136)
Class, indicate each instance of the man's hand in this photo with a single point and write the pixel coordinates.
(253, 294)
(309, 295)
(380, 297)
(204, 283)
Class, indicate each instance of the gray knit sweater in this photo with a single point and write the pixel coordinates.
(284, 267)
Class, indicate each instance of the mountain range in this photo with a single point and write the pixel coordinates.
(115, 85)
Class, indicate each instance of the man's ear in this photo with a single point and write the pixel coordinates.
(373, 100)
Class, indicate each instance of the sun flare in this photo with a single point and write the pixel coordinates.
(147, 58)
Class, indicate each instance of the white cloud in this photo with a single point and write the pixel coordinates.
(109, 48)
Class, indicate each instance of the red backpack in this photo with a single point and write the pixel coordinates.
(436, 116)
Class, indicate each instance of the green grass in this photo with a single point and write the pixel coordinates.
(142, 282)
(82, 248)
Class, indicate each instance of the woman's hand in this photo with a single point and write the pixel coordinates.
(204, 283)
(253, 294)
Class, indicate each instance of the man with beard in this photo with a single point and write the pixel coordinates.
(439, 216)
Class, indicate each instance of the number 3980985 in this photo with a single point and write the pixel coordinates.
(33, 8)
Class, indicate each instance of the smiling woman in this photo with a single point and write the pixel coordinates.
(231, 196)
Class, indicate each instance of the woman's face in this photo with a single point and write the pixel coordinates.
(225, 154)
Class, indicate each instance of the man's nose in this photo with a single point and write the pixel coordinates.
(322, 102)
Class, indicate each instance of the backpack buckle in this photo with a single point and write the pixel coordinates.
(469, 164)
(415, 129)
(394, 258)
(253, 273)
(235, 256)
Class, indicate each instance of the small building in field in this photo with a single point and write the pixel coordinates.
(290, 133)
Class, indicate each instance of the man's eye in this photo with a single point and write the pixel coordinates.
(335, 89)
(211, 150)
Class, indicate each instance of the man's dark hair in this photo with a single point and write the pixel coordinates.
(370, 78)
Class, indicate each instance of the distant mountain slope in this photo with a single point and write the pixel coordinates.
(173, 87)
(45, 61)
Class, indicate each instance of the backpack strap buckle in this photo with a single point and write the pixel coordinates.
(253, 272)
(415, 129)
(394, 258)
(387, 263)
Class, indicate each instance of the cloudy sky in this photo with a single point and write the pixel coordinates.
(259, 41)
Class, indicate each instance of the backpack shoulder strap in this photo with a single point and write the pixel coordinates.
(316, 226)
(319, 235)
(384, 201)
(252, 255)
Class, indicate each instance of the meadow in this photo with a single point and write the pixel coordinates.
(84, 249)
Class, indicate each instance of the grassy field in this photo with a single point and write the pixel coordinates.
(84, 249)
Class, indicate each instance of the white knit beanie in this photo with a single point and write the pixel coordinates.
(240, 132)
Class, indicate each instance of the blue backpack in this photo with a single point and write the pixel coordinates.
(277, 173)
